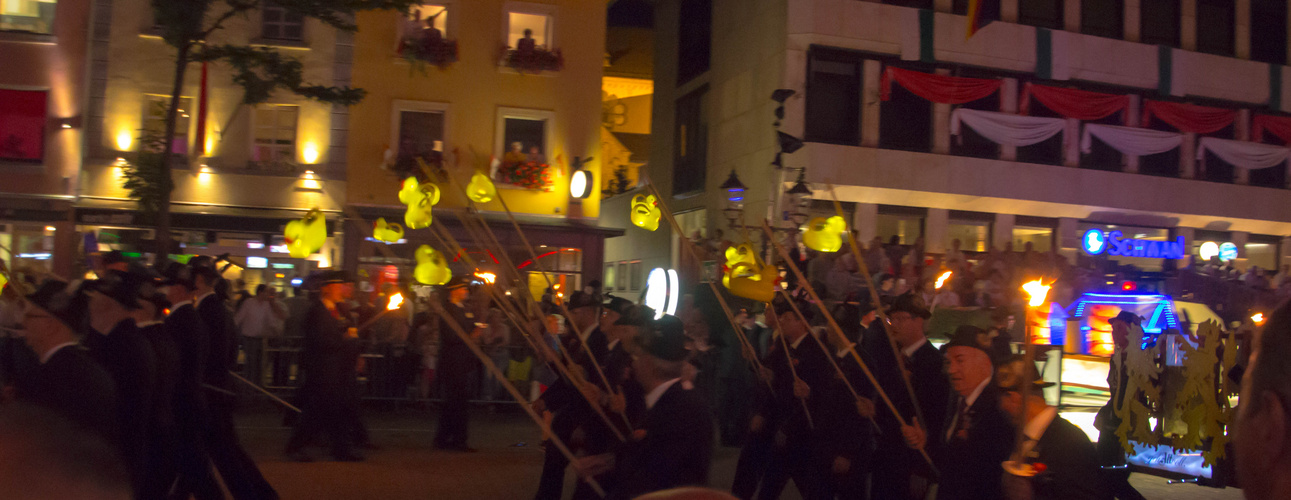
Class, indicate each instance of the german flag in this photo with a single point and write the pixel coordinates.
(981, 13)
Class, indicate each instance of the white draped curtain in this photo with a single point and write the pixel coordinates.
(1130, 140)
(1243, 154)
(1005, 128)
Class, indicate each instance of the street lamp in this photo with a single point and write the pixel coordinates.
(735, 189)
(799, 199)
(580, 181)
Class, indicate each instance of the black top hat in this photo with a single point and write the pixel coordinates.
(636, 315)
(457, 281)
(1127, 317)
(125, 288)
(582, 299)
(174, 273)
(1014, 373)
(618, 304)
(667, 340)
(910, 303)
(782, 306)
(158, 301)
(65, 303)
(966, 336)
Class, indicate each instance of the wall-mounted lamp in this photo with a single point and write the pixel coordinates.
(581, 180)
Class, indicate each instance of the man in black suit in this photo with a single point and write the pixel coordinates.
(903, 473)
(795, 412)
(848, 454)
(1110, 452)
(117, 344)
(673, 445)
(67, 381)
(329, 360)
(240, 473)
(186, 328)
(979, 437)
(1070, 466)
(162, 444)
(457, 367)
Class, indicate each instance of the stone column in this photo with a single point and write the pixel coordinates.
(1009, 10)
(936, 230)
(1009, 104)
(1131, 20)
(1242, 30)
(1071, 143)
(1240, 238)
(1130, 162)
(1188, 24)
(1071, 16)
(1188, 156)
(870, 107)
(1003, 231)
(941, 124)
(865, 220)
(1285, 258)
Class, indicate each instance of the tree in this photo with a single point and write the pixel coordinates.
(187, 25)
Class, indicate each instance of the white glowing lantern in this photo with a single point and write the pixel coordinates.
(662, 291)
(1208, 250)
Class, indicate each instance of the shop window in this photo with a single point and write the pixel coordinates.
(1159, 22)
(694, 39)
(907, 227)
(1163, 164)
(1269, 31)
(609, 279)
(918, 4)
(1213, 168)
(275, 134)
(535, 19)
(833, 98)
(523, 138)
(1103, 18)
(1040, 238)
(154, 123)
(278, 23)
(32, 244)
(624, 279)
(690, 157)
(22, 125)
(1262, 251)
(638, 275)
(1048, 152)
(419, 132)
(971, 143)
(973, 235)
(905, 121)
(1100, 155)
(1041, 13)
(32, 16)
(424, 17)
(1215, 25)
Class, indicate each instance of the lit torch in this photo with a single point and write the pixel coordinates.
(1258, 318)
(486, 277)
(396, 301)
(1037, 290)
(941, 280)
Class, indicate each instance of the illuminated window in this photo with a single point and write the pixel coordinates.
(275, 134)
(523, 137)
(278, 23)
(419, 132)
(428, 15)
(537, 19)
(638, 275)
(22, 125)
(34, 16)
(154, 123)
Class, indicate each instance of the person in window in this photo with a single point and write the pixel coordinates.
(526, 45)
(535, 156)
(515, 155)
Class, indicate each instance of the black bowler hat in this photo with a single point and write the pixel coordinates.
(1014, 374)
(619, 305)
(324, 278)
(175, 273)
(457, 281)
(637, 315)
(783, 306)
(125, 288)
(966, 336)
(667, 340)
(65, 303)
(582, 299)
(910, 303)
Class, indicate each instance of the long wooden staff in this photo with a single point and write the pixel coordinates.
(721, 300)
(828, 355)
(524, 403)
(878, 306)
(788, 359)
(784, 254)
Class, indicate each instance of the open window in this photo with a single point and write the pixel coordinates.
(279, 24)
(419, 132)
(275, 135)
(530, 38)
(523, 147)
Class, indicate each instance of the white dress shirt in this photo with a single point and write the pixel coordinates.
(657, 392)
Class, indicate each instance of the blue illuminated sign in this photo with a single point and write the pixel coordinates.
(1096, 242)
(1227, 252)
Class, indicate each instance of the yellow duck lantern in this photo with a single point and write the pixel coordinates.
(419, 197)
(389, 233)
(432, 267)
(645, 212)
(306, 235)
(752, 281)
(825, 234)
(740, 254)
(481, 188)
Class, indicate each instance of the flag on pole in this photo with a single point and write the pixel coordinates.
(201, 115)
(980, 14)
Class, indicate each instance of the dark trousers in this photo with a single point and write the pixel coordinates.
(162, 463)
(193, 462)
(752, 465)
(552, 484)
(795, 461)
(1110, 453)
(890, 473)
(854, 485)
(240, 473)
(326, 412)
(454, 419)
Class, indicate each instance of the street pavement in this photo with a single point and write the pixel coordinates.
(506, 467)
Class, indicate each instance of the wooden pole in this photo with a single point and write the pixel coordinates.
(878, 306)
(784, 254)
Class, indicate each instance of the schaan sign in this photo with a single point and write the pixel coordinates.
(1096, 242)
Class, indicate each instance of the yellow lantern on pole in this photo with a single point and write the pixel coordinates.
(645, 212)
(824, 234)
(419, 197)
(306, 235)
(432, 267)
(481, 188)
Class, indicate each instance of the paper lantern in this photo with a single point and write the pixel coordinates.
(306, 235)
(645, 212)
(481, 188)
(825, 234)
(389, 233)
(419, 197)
(432, 267)
(748, 281)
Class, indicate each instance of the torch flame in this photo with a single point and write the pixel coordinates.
(396, 301)
(1258, 318)
(941, 280)
(486, 277)
(1037, 290)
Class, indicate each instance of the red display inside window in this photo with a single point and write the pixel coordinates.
(22, 125)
